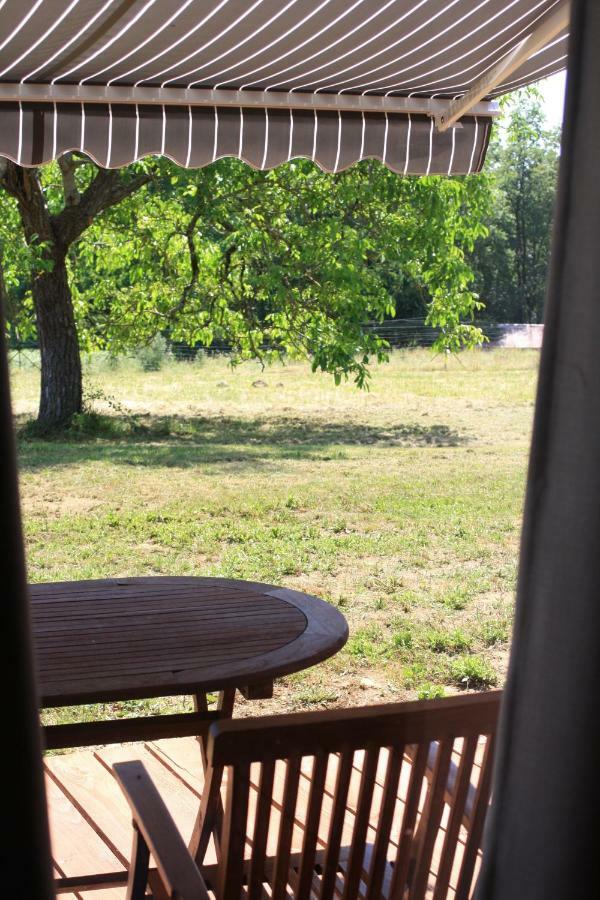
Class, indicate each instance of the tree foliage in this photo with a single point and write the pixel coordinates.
(511, 264)
(292, 261)
(18, 262)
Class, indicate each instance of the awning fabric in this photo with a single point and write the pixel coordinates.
(355, 49)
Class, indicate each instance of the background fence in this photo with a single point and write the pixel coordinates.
(399, 333)
(415, 333)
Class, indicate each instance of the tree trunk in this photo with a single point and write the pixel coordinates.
(61, 386)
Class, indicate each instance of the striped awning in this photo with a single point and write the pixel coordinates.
(267, 80)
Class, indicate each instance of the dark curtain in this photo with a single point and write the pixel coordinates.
(543, 834)
(24, 843)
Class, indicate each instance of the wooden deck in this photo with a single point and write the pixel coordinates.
(90, 820)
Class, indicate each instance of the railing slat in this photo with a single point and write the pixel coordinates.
(386, 818)
(430, 820)
(261, 830)
(463, 782)
(338, 815)
(286, 828)
(361, 823)
(233, 838)
(480, 808)
(311, 828)
(405, 843)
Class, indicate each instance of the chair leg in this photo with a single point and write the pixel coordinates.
(140, 863)
(210, 815)
(157, 889)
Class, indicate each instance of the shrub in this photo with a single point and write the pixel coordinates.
(151, 357)
(495, 633)
(448, 642)
(472, 672)
(366, 643)
(403, 639)
(430, 692)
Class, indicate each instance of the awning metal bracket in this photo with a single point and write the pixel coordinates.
(546, 30)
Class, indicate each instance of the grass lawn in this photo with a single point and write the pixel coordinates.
(401, 505)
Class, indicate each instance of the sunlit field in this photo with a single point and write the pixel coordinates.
(400, 505)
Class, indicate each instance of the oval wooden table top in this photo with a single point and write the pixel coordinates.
(131, 638)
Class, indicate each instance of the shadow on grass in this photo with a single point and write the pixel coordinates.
(188, 441)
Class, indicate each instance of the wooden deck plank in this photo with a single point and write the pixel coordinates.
(183, 758)
(77, 849)
(95, 793)
(116, 893)
(180, 801)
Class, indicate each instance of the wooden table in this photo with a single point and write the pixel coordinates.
(134, 638)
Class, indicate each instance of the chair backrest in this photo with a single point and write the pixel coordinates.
(384, 802)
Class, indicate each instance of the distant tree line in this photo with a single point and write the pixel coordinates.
(511, 263)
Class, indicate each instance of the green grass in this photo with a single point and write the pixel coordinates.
(401, 505)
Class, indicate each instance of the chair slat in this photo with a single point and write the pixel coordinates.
(463, 782)
(233, 838)
(336, 827)
(384, 827)
(480, 808)
(405, 842)
(286, 827)
(261, 830)
(311, 828)
(361, 823)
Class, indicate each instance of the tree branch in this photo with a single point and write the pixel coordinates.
(67, 166)
(24, 185)
(107, 189)
(194, 266)
(3, 293)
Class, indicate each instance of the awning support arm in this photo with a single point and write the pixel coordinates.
(548, 28)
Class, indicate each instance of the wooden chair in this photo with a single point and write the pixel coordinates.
(384, 802)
